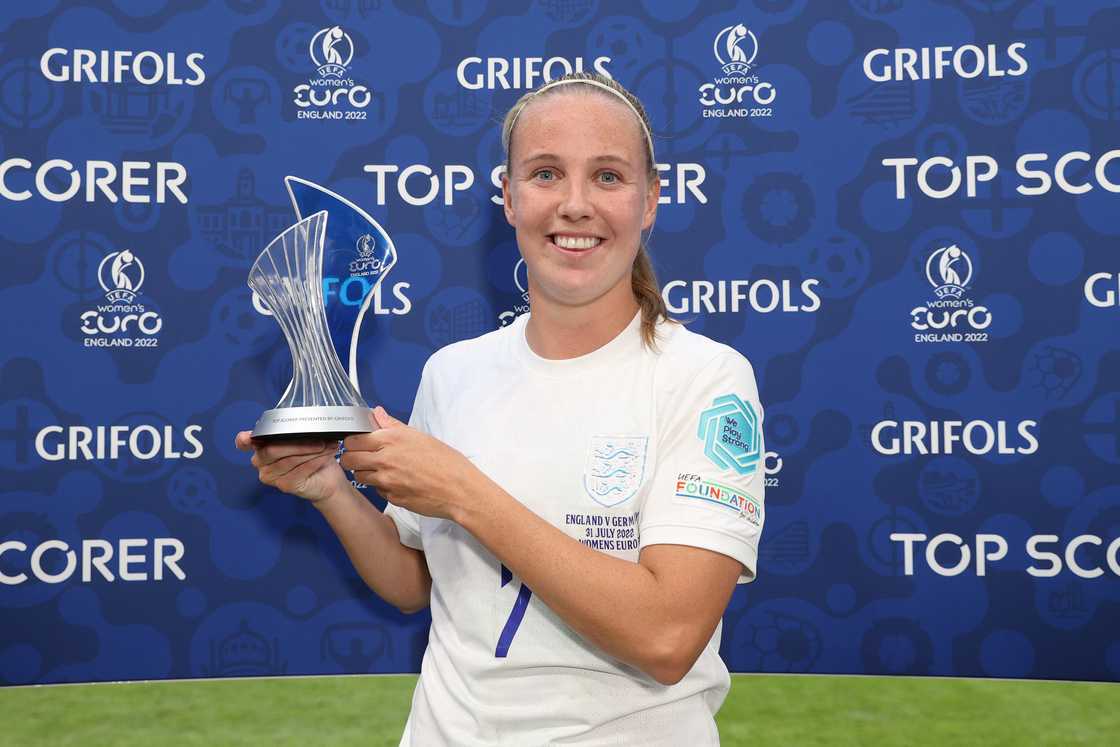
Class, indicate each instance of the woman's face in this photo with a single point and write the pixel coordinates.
(578, 196)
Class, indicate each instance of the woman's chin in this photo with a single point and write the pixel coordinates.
(571, 292)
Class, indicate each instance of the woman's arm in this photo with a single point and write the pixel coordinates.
(396, 573)
(308, 469)
(656, 614)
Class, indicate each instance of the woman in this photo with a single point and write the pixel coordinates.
(576, 494)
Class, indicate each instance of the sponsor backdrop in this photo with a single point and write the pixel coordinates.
(904, 213)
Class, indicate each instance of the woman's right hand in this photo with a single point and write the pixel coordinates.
(305, 468)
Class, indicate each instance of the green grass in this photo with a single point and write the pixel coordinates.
(371, 711)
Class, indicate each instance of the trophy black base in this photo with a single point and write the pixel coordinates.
(314, 422)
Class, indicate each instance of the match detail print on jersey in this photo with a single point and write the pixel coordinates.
(731, 434)
(615, 468)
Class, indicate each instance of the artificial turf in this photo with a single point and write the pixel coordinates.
(370, 711)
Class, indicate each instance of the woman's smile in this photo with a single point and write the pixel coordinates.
(575, 244)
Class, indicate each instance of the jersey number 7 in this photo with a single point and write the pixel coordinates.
(524, 593)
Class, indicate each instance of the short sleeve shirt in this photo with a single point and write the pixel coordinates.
(622, 448)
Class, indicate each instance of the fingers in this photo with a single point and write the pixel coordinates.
(244, 442)
(360, 442)
(368, 478)
(380, 479)
(385, 420)
(360, 460)
(275, 451)
(374, 441)
(290, 467)
(276, 460)
(293, 480)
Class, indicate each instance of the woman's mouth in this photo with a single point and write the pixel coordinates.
(571, 243)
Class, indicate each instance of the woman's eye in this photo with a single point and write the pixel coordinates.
(545, 175)
(608, 177)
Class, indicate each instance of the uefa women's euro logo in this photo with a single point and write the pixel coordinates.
(331, 50)
(125, 275)
(728, 49)
(367, 264)
(122, 321)
(332, 93)
(736, 92)
(949, 271)
(952, 316)
(521, 280)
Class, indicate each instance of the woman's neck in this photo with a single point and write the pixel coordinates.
(558, 332)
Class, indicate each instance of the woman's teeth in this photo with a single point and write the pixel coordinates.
(576, 242)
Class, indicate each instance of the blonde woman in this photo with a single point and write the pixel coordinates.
(575, 495)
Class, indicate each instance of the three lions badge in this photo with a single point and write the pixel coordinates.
(615, 467)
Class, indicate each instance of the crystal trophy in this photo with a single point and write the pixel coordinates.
(317, 278)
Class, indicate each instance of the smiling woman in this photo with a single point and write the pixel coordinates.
(576, 494)
(585, 185)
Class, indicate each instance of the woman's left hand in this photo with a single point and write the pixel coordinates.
(409, 468)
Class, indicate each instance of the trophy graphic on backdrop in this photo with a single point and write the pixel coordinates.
(318, 278)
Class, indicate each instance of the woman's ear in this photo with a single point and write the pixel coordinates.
(653, 194)
(507, 198)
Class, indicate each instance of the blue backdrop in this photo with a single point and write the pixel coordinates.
(903, 212)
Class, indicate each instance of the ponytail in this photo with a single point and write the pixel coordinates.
(647, 291)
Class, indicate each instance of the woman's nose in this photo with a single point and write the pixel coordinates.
(576, 202)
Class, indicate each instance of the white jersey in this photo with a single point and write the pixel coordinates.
(621, 448)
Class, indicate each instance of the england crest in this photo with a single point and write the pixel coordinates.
(615, 467)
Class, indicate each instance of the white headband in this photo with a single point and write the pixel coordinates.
(590, 82)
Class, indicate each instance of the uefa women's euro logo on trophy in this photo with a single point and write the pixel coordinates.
(317, 278)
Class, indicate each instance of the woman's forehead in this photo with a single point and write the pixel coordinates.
(592, 118)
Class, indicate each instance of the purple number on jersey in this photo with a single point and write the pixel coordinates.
(515, 615)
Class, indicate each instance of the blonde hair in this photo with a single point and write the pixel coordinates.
(643, 277)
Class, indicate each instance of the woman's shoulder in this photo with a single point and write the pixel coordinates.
(467, 355)
(689, 353)
(693, 368)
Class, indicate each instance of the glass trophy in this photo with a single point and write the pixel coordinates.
(317, 278)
